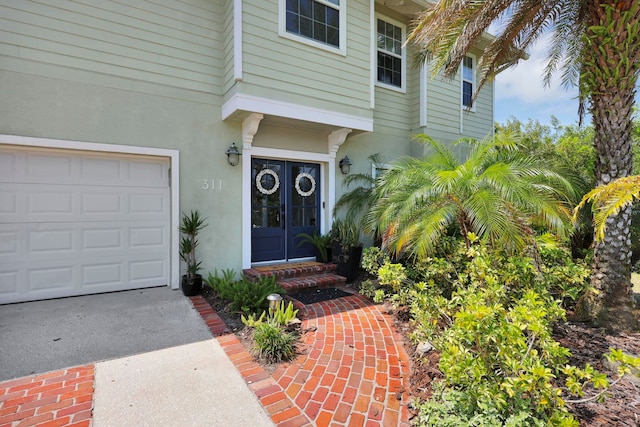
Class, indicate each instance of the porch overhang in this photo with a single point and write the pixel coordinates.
(279, 113)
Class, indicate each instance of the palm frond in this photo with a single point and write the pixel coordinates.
(608, 200)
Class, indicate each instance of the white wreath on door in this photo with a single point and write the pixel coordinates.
(297, 184)
(276, 184)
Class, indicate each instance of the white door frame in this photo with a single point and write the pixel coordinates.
(327, 163)
(173, 155)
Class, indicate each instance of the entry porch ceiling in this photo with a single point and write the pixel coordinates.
(406, 7)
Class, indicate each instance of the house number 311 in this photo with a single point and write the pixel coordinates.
(210, 184)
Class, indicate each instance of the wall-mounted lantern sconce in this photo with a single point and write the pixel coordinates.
(345, 165)
(233, 155)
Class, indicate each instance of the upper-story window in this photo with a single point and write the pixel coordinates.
(390, 54)
(318, 21)
(468, 81)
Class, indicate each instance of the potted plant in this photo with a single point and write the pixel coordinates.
(321, 242)
(347, 248)
(190, 226)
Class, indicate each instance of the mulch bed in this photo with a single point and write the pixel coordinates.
(587, 345)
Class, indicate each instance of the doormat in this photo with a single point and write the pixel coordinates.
(319, 295)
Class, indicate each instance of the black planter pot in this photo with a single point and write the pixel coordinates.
(319, 257)
(191, 285)
(348, 266)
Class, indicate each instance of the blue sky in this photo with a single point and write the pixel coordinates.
(520, 92)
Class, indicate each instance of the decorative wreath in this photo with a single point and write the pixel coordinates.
(311, 179)
(276, 184)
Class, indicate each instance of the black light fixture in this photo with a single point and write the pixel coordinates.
(345, 165)
(233, 155)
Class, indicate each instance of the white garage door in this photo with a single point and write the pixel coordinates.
(77, 222)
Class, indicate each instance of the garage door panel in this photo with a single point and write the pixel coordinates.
(42, 166)
(51, 203)
(74, 223)
(9, 282)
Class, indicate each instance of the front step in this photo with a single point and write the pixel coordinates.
(294, 277)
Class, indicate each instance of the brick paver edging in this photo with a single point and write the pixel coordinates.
(354, 371)
(59, 398)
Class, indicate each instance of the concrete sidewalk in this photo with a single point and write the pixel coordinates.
(189, 385)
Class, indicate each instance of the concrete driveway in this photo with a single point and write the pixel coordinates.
(48, 335)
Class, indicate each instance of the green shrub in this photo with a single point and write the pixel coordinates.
(245, 296)
(490, 317)
(273, 344)
(372, 258)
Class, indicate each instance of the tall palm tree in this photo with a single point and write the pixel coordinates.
(596, 45)
(496, 193)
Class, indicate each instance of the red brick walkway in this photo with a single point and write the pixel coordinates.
(60, 398)
(351, 373)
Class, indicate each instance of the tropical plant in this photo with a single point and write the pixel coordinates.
(190, 226)
(608, 200)
(357, 201)
(273, 344)
(496, 193)
(320, 241)
(596, 44)
(245, 296)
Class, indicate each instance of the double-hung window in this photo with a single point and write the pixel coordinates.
(317, 21)
(390, 54)
(468, 81)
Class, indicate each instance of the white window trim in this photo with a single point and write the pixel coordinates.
(473, 82)
(403, 27)
(424, 77)
(282, 30)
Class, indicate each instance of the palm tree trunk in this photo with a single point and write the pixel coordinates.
(611, 91)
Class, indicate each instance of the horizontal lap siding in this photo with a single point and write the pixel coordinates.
(282, 69)
(166, 43)
(228, 45)
(479, 124)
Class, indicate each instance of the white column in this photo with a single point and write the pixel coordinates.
(249, 128)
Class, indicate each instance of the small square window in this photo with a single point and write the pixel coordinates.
(318, 20)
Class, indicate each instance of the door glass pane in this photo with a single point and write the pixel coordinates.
(266, 191)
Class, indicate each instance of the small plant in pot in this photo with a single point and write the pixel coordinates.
(190, 226)
(321, 242)
(347, 248)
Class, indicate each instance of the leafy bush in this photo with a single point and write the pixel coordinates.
(245, 296)
(273, 344)
(281, 316)
(372, 258)
(490, 316)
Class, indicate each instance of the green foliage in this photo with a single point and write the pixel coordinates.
(190, 227)
(282, 315)
(272, 343)
(245, 296)
(496, 192)
(346, 233)
(372, 258)
(358, 200)
(321, 242)
(490, 316)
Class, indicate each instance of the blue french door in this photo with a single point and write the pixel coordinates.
(285, 201)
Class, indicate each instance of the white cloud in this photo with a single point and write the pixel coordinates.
(520, 91)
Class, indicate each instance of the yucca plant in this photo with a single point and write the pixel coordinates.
(190, 226)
